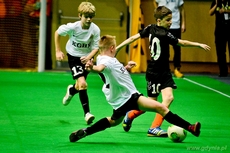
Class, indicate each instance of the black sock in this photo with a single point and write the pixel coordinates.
(176, 120)
(73, 90)
(100, 125)
(84, 100)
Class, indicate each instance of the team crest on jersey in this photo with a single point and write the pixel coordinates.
(122, 70)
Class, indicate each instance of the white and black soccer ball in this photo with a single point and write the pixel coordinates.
(176, 133)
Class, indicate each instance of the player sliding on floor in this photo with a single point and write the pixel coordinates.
(123, 95)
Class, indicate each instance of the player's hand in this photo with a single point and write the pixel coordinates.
(205, 47)
(59, 55)
(130, 65)
(89, 65)
(84, 59)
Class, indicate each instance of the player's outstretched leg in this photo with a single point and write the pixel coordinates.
(177, 120)
(129, 117)
(127, 123)
(100, 125)
(195, 129)
(77, 135)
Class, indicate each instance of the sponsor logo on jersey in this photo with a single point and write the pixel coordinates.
(80, 45)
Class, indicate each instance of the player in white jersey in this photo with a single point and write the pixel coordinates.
(122, 79)
(123, 95)
(81, 47)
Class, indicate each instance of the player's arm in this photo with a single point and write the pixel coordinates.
(84, 59)
(95, 49)
(89, 66)
(98, 68)
(127, 42)
(186, 43)
(130, 65)
(182, 13)
(59, 54)
(92, 53)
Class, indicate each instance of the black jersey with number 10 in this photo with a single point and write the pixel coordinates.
(159, 41)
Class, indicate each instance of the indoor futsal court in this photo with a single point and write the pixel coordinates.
(33, 119)
(33, 81)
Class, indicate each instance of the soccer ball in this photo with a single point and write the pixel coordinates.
(176, 133)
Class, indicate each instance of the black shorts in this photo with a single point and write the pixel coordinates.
(158, 81)
(76, 67)
(131, 104)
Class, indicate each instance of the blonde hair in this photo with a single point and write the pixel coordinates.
(107, 41)
(87, 8)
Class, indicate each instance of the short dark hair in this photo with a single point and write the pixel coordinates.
(161, 11)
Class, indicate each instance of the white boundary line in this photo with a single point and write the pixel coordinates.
(228, 96)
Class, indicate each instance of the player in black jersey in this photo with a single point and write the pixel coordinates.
(158, 75)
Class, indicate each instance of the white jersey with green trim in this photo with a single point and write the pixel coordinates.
(121, 86)
(81, 41)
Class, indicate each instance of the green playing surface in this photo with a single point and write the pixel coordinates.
(33, 119)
